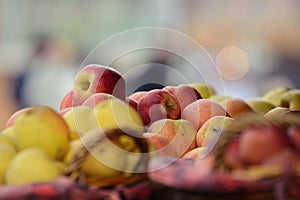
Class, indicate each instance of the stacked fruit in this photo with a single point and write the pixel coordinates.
(100, 134)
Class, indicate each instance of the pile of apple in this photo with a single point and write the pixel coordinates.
(183, 121)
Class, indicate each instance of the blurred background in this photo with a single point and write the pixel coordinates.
(255, 44)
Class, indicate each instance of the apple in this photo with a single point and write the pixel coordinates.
(44, 128)
(79, 121)
(31, 165)
(102, 161)
(132, 103)
(195, 153)
(136, 96)
(237, 107)
(114, 113)
(158, 104)
(211, 130)
(201, 110)
(67, 101)
(232, 156)
(259, 143)
(95, 79)
(96, 98)
(65, 110)
(180, 133)
(170, 89)
(185, 94)
(11, 120)
(160, 145)
(204, 90)
(276, 113)
(294, 135)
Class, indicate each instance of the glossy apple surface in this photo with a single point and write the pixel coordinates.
(95, 79)
(158, 104)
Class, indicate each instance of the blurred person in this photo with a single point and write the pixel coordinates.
(8, 104)
(48, 75)
(12, 54)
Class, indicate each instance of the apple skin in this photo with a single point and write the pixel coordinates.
(237, 108)
(159, 144)
(180, 133)
(158, 104)
(195, 153)
(201, 110)
(259, 143)
(232, 156)
(132, 103)
(294, 135)
(44, 128)
(185, 94)
(95, 79)
(79, 121)
(211, 130)
(276, 113)
(11, 120)
(67, 101)
(204, 90)
(136, 96)
(96, 98)
(65, 110)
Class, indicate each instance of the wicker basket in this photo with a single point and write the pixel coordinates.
(75, 186)
(210, 178)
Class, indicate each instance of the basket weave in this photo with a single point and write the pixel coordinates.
(285, 178)
(210, 178)
(73, 169)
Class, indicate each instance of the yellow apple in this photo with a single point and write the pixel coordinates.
(79, 120)
(205, 90)
(44, 128)
(260, 105)
(6, 139)
(7, 152)
(116, 114)
(101, 161)
(211, 130)
(30, 166)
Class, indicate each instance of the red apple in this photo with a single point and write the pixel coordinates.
(64, 111)
(201, 110)
(95, 79)
(96, 98)
(237, 108)
(67, 101)
(137, 96)
(170, 89)
(132, 103)
(158, 104)
(11, 120)
(159, 144)
(294, 135)
(259, 143)
(196, 153)
(185, 94)
(232, 156)
(180, 133)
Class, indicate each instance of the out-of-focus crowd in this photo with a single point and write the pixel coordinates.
(42, 45)
(42, 78)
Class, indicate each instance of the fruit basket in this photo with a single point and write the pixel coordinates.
(99, 146)
(213, 177)
(74, 184)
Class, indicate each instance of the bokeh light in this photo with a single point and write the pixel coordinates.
(232, 63)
